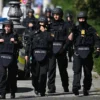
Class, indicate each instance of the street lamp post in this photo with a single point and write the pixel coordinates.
(14, 14)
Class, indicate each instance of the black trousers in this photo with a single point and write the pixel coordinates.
(35, 74)
(62, 65)
(43, 75)
(87, 65)
(70, 52)
(8, 78)
(39, 75)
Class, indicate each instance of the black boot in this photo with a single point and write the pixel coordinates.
(66, 90)
(36, 92)
(85, 92)
(51, 91)
(76, 92)
(3, 96)
(42, 94)
(12, 95)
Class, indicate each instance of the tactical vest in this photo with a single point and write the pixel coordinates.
(6, 52)
(85, 42)
(40, 46)
(59, 37)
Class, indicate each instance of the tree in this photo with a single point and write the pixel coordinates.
(91, 6)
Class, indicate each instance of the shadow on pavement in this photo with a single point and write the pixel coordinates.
(92, 92)
(24, 89)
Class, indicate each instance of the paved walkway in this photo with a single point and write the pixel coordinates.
(25, 89)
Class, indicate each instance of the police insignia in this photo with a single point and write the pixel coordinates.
(82, 33)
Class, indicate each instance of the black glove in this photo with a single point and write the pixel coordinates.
(97, 54)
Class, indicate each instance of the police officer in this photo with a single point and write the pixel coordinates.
(28, 32)
(8, 59)
(40, 43)
(30, 18)
(70, 25)
(84, 37)
(48, 14)
(59, 33)
(31, 26)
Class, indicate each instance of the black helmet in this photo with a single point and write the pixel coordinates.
(82, 14)
(48, 10)
(69, 15)
(8, 22)
(43, 19)
(31, 11)
(58, 11)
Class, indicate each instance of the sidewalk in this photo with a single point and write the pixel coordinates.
(25, 89)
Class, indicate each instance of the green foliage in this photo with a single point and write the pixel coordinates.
(81, 5)
(91, 6)
(65, 4)
(97, 65)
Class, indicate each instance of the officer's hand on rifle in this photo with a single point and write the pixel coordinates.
(1, 40)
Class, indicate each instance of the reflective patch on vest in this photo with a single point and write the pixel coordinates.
(57, 47)
(6, 59)
(83, 52)
(40, 55)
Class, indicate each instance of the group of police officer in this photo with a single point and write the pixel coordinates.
(47, 41)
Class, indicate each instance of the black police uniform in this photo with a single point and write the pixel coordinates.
(29, 32)
(29, 19)
(8, 60)
(84, 39)
(40, 44)
(70, 25)
(49, 18)
(59, 29)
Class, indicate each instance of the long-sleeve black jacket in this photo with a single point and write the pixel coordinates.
(38, 40)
